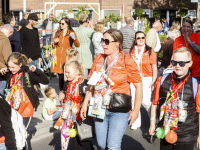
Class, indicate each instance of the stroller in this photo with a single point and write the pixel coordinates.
(48, 56)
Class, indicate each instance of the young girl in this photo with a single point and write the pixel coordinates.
(71, 97)
(71, 54)
(20, 92)
(49, 110)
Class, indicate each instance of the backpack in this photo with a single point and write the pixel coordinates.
(19, 129)
(194, 84)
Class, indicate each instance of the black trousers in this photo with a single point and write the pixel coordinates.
(164, 145)
(86, 144)
(61, 81)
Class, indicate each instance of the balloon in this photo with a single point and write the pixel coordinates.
(160, 133)
(171, 137)
(72, 133)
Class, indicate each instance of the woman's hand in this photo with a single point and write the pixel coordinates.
(133, 116)
(152, 129)
(56, 40)
(3, 70)
(83, 112)
(32, 68)
(61, 96)
(152, 85)
(186, 37)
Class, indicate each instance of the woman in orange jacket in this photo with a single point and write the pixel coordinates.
(64, 38)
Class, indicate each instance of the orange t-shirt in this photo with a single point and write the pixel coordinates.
(157, 94)
(147, 62)
(2, 139)
(181, 42)
(119, 74)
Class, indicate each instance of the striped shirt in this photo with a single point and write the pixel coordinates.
(128, 37)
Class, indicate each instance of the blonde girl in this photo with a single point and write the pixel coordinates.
(20, 92)
(71, 97)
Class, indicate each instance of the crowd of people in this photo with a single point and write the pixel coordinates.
(103, 74)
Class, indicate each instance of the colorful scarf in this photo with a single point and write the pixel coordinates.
(170, 108)
(71, 112)
(15, 95)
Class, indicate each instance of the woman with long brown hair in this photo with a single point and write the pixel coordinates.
(64, 38)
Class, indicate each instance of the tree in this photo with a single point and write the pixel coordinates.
(81, 10)
(156, 13)
(139, 12)
(182, 13)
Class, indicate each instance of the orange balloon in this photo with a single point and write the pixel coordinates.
(171, 137)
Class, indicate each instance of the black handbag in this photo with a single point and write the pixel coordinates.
(120, 102)
(85, 129)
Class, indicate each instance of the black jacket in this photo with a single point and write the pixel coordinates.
(15, 41)
(187, 131)
(45, 22)
(6, 125)
(28, 80)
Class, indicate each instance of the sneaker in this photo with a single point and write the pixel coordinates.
(95, 147)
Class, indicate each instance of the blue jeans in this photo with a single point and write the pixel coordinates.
(2, 146)
(2, 87)
(35, 63)
(109, 132)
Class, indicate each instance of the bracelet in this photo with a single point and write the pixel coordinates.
(152, 118)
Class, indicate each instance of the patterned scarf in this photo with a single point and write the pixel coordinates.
(15, 95)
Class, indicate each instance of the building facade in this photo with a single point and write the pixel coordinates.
(168, 8)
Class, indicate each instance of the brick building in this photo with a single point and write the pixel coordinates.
(168, 8)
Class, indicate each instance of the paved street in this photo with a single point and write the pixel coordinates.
(132, 140)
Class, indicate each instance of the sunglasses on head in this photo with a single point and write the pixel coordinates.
(138, 38)
(181, 63)
(62, 24)
(106, 41)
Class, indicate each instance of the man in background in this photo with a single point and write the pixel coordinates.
(152, 38)
(48, 26)
(9, 18)
(29, 37)
(73, 22)
(5, 50)
(128, 34)
(24, 21)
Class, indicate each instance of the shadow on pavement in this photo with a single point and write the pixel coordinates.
(128, 143)
(145, 124)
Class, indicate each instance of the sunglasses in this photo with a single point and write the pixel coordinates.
(106, 41)
(181, 63)
(62, 24)
(138, 38)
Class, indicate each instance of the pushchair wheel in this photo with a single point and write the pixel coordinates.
(152, 139)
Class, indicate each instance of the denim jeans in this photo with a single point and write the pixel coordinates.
(2, 146)
(109, 132)
(35, 63)
(2, 87)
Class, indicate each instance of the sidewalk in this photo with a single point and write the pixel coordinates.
(39, 127)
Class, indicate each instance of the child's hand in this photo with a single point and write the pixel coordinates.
(198, 142)
(3, 70)
(152, 129)
(32, 68)
(56, 109)
(61, 96)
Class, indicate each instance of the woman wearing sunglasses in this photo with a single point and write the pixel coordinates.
(146, 61)
(64, 38)
(120, 72)
(192, 42)
(86, 49)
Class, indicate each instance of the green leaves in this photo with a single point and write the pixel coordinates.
(156, 13)
(139, 12)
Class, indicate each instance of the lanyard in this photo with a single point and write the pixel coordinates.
(112, 63)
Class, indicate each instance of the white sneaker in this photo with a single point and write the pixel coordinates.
(95, 147)
(134, 128)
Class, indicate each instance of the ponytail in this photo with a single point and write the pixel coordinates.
(70, 53)
(18, 58)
